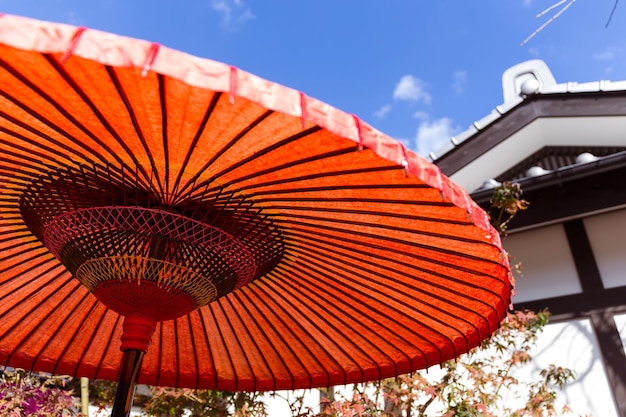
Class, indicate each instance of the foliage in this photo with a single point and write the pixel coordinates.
(506, 201)
(27, 394)
(166, 402)
(481, 383)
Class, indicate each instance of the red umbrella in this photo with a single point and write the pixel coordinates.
(253, 237)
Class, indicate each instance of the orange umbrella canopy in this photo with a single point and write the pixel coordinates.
(269, 240)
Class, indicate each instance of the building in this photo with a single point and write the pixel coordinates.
(565, 143)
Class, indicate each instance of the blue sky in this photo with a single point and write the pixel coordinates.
(419, 70)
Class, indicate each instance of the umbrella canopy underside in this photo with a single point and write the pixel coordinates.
(364, 261)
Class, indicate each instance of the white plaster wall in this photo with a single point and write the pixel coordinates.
(574, 345)
(620, 322)
(548, 268)
(607, 235)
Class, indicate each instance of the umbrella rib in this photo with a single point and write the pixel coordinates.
(193, 347)
(39, 134)
(288, 226)
(353, 250)
(57, 106)
(176, 354)
(221, 335)
(325, 259)
(5, 270)
(279, 274)
(287, 165)
(374, 225)
(272, 296)
(360, 200)
(371, 213)
(196, 138)
(120, 90)
(18, 345)
(67, 317)
(322, 265)
(206, 339)
(262, 152)
(229, 145)
(307, 296)
(382, 313)
(338, 187)
(325, 175)
(21, 157)
(93, 334)
(164, 133)
(160, 355)
(94, 108)
(246, 306)
(108, 344)
(245, 351)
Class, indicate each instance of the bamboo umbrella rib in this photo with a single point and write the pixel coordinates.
(61, 70)
(295, 331)
(320, 230)
(388, 314)
(44, 296)
(62, 110)
(87, 337)
(276, 145)
(253, 356)
(421, 282)
(255, 316)
(283, 166)
(164, 134)
(71, 303)
(101, 372)
(329, 319)
(318, 326)
(194, 141)
(354, 253)
(137, 127)
(311, 220)
(227, 146)
(320, 260)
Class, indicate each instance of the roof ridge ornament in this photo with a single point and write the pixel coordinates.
(526, 78)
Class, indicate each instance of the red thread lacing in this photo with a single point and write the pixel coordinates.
(150, 57)
(73, 43)
(359, 131)
(233, 84)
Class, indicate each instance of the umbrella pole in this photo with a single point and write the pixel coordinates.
(127, 382)
(137, 334)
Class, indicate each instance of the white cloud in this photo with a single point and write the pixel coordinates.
(431, 135)
(421, 116)
(411, 88)
(527, 3)
(233, 11)
(383, 111)
(608, 54)
(460, 81)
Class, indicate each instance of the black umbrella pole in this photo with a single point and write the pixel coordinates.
(136, 337)
(127, 382)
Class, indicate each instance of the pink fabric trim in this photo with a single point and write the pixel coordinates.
(150, 57)
(114, 50)
(233, 85)
(73, 43)
(359, 133)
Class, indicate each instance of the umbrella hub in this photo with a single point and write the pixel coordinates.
(148, 260)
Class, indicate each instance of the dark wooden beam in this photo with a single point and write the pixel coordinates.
(593, 104)
(613, 356)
